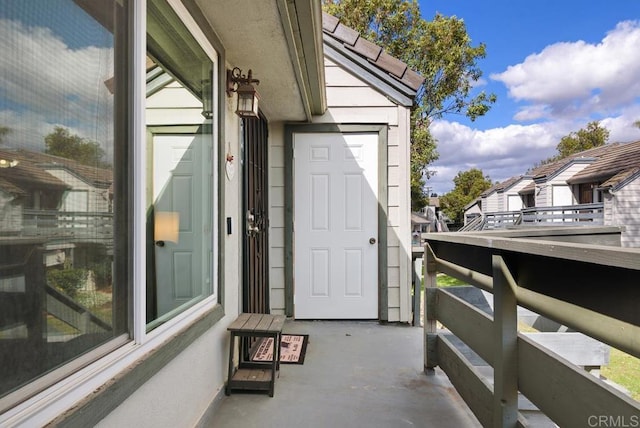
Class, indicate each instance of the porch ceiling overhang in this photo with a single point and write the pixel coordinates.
(281, 42)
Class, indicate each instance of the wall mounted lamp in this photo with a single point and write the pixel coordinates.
(247, 94)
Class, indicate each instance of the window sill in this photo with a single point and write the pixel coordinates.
(89, 395)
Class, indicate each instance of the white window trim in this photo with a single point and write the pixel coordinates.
(45, 406)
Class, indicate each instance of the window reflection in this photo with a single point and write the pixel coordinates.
(180, 167)
(58, 95)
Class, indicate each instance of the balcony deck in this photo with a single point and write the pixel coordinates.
(355, 374)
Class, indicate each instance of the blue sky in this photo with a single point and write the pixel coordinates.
(555, 65)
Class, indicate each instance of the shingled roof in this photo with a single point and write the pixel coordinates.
(504, 185)
(618, 160)
(550, 169)
(98, 177)
(26, 174)
(374, 57)
(32, 166)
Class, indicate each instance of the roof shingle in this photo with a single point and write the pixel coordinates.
(351, 39)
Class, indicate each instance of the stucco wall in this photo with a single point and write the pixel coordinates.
(180, 393)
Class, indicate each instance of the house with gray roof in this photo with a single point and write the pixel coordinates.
(613, 180)
(595, 186)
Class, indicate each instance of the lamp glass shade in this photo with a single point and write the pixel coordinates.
(166, 226)
(247, 101)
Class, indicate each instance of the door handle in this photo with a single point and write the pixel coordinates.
(159, 243)
(372, 241)
(252, 225)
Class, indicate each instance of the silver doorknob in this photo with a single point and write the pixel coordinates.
(372, 241)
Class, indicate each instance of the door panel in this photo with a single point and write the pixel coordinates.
(177, 208)
(336, 224)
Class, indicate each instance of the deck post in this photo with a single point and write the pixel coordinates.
(430, 317)
(505, 367)
(416, 279)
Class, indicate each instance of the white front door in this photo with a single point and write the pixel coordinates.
(336, 226)
(178, 210)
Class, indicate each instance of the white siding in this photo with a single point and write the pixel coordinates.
(276, 218)
(161, 107)
(97, 200)
(473, 209)
(622, 209)
(491, 203)
(544, 194)
(514, 191)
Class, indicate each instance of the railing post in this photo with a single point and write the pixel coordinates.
(417, 283)
(430, 332)
(505, 368)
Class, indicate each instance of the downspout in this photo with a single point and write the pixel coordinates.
(302, 25)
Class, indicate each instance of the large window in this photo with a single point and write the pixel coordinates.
(73, 276)
(63, 112)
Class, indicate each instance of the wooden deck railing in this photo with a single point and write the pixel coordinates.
(590, 288)
(569, 215)
(500, 220)
(576, 215)
(89, 225)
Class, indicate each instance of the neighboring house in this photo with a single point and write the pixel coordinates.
(504, 196)
(89, 187)
(11, 216)
(472, 210)
(613, 180)
(509, 198)
(203, 201)
(598, 185)
(550, 187)
(419, 225)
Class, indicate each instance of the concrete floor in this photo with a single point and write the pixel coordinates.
(356, 374)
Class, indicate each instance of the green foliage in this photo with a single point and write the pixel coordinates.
(468, 186)
(61, 143)
(440, 50)
(102, 273)
(636, 123)
(67, 280)
(422, 152)
(593, 135)
(624, 369)
(443, 280)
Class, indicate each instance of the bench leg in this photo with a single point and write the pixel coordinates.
(227, 389)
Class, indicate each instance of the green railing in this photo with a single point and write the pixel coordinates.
(592, 289)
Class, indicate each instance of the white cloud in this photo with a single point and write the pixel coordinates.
(576, 79)
(502, 153)
(562, 88)
(42, 79)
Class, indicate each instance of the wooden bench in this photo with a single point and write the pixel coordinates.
(250, 375)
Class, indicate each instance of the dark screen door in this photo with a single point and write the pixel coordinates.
(256, 216)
